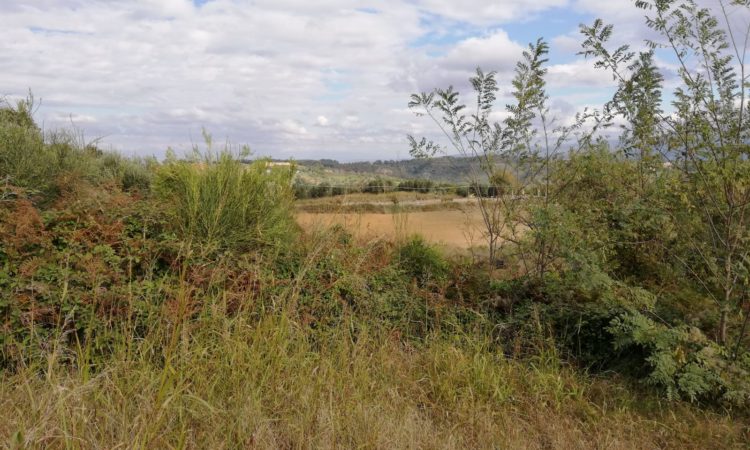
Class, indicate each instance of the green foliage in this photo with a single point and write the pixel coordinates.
(225, 204)
(378, 186)
(132, 174)
(22, 115)
(416, 185)
(705, 138)
(683, 362)
(511, 155)
(66, 274)
(638, 95)
(421, 261)
(24, 158)
(54, 162)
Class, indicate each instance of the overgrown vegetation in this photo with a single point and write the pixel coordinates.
(175, 304)
(226, 205)
(656, 229)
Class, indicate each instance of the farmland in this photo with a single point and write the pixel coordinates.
(452, 228)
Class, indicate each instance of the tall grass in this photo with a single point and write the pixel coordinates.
(220, 202)
(25, 159)
(45, 161)
(234, 382)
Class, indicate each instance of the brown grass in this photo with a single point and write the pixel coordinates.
(453, 228)
(234, 384)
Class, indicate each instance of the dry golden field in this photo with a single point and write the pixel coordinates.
(454, 228)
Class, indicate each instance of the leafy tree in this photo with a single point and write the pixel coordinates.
(515, 153)
(706, 138)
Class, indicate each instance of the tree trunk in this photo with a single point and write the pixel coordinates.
(722, 337)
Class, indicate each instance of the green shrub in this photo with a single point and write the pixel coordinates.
(129, 173)
(32, 159)
(422, 261)
(24, 160)
(608, 327)
(379, 186)
(35, 160)
(226, 204)
(683, 362)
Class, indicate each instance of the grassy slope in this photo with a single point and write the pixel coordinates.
(315, 174)
(451, 169)
(311, 361)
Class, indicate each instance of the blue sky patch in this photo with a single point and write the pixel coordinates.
(368, 10)
(40, 30)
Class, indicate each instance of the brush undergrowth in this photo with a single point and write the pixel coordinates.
(195, 315)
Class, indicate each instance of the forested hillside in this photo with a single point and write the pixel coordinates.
(451, 169)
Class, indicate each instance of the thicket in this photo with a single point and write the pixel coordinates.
(222, 204)
(638, 252)
(176, 303)
(44, 161)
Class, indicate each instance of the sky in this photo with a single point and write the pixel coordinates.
(290, 78)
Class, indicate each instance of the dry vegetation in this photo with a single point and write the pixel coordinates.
(178, 304)
(453, 228)
(127, 338)
(228, 382)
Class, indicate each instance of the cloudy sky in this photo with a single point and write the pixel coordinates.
(291, 78)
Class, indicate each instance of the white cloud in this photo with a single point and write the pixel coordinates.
(350, 121)
(580, 73)
(289, 77)
(292, 127)
(482, 11)
(566, 43)
(494, 52)
(74, 119)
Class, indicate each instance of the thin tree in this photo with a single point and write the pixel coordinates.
(705, 137)
(520, 148)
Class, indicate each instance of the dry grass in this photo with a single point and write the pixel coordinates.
(262, 377)
(231, 383)
(460, 229)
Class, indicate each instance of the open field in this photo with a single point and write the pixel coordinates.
(389, 198)
(453, 228)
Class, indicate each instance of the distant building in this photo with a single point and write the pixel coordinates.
(271, 165)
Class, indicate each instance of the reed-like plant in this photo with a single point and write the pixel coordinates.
(223, 203)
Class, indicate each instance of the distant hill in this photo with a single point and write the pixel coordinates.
(453, 169)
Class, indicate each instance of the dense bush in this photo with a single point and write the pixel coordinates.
(25, 158)
(378, 186)
(683, 362)
(422, 262)
(222, 203)
(417, 185)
